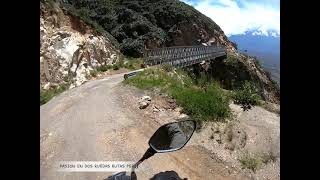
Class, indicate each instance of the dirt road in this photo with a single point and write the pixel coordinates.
(95, 122)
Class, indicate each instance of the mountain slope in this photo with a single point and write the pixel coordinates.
(151, 23)
(132, 26)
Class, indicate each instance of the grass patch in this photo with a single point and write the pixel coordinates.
(151, 78)
(201, 105)
(252, 162)
(93, 73)
(132, 63)
(127, 62)
(47, 95)
(247, 96)
(208, 105)
(232, 60)
(104, 68)
(116, 67)
(167, 67)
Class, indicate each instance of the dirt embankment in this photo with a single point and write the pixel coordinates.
(248, 143)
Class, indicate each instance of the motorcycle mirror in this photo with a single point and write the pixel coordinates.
(172, 136)
(169, 137)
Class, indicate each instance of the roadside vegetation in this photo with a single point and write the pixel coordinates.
(252, 162)
(255, 161)
(247, 96)
(127, 63)
(131, 63)
(202, 104)
(47, 95)
(202, 98)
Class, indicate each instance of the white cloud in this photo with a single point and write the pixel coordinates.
(234, 19)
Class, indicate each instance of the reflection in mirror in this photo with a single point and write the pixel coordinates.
(172, 136)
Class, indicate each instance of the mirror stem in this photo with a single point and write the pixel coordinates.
(150, 152)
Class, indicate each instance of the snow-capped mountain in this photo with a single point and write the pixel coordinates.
(264, 45)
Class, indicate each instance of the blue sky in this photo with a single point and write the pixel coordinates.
(238, 16)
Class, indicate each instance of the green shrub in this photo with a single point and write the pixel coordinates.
(167, 67)
(209, 105)
(104, 68)
(116, 67)
(255, 161)
(247, 96)
(132, 47)
(85, 14)
(232, 60)
(93, 73)
(201, 105)
(252, 162)
(202, 81)
(132, 63)
(46, 95)
(151, 78)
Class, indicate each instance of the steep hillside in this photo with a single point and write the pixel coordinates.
(70, 48)
(233, 71)
(151, 23)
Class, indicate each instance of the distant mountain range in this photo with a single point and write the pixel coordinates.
(266, 47)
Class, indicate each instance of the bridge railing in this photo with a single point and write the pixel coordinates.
(182, 56)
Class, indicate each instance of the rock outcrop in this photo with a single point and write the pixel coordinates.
(70, 49)
(233, 71)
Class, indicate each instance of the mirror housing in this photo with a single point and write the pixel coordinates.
(167, 135)
(172, 136)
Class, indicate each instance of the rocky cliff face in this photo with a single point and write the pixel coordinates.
(233, 71)
(70, 49)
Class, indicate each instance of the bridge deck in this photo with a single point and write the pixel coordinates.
(182, 56)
